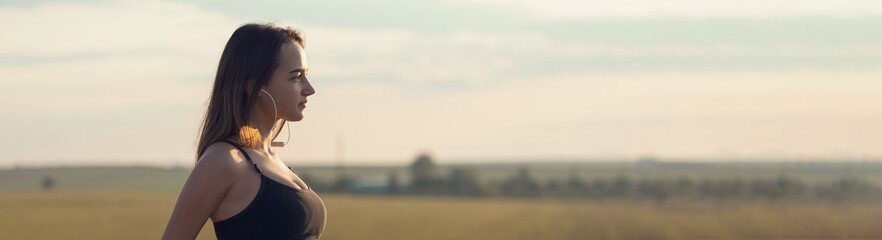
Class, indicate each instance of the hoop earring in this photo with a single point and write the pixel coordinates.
(276, 117)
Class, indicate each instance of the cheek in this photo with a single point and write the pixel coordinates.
(292, 95)
(297, 89)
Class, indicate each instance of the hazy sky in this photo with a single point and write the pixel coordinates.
(126, 82)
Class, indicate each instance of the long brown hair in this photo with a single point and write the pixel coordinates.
(248, 61)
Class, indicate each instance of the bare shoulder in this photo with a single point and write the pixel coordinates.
(221, 158)
(215, 172)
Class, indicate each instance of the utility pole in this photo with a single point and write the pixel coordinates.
(339, 156)
(342, 183)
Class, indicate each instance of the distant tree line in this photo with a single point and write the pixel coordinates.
(464, 181)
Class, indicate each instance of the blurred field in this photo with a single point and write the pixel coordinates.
(170, 180)
(92, 214)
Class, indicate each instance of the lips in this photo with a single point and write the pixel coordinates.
(302, 104)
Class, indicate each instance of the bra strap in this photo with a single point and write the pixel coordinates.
(245, 153)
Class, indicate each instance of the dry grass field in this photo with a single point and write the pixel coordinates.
(143, 215)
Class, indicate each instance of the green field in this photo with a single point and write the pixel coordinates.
(121, 215)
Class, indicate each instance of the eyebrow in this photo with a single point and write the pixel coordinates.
(298, 70)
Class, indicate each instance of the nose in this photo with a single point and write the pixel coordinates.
(308, 90)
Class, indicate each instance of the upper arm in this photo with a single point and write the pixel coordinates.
(209, 181)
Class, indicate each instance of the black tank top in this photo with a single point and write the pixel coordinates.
(277, 212)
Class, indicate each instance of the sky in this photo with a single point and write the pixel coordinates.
(127, 82)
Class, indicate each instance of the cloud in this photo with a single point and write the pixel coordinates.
(107, 37)
(588, 115)
(113, 80)
(121, 79)
(128, 51)
(576, 9)
(466, 59)
(62, 28)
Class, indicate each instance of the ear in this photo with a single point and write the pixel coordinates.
(248, 85)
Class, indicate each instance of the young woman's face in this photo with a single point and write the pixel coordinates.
(288, 85)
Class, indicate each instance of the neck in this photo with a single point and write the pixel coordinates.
(264, 124)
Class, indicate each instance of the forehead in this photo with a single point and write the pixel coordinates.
(291, 56)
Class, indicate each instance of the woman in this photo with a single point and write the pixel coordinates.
(238, 181)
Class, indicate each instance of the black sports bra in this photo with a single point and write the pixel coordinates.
(277, 212)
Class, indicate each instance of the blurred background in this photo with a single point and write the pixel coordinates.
(464, 119)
